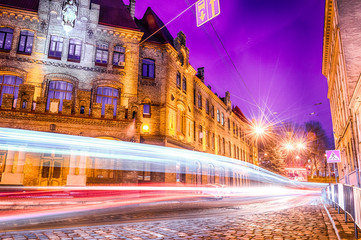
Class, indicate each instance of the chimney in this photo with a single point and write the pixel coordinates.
(200, 73)
(132, 8)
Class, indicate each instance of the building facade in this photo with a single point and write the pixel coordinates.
(89, 68)
(341, 66)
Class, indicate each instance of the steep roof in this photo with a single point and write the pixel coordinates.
(30, 5)
(240, 114)
(115, 13)
(149, 24)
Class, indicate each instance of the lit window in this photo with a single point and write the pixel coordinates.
(222, 119)
(184, 84)
(146, 109)
(26, 42)
(148, 68)
(10, 84)
(74, 50)
(56, 47)
(101, 56)
(59, 90)
(6, 38)
(118, 56)
(107, 95)
(178, 80)
(218, 116)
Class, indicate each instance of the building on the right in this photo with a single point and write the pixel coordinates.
(341, 65)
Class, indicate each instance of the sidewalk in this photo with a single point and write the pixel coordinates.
(345, 230)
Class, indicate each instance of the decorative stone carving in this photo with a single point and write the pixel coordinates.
(70, 10)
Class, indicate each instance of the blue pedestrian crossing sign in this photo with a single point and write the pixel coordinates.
(206, 10)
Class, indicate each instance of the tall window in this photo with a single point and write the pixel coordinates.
(211, 174)
(200, 134)
(146, 110)
(222, 174)
(199, 101)
(181, 121)
(101, 56)
(178, 80)
(218, 116)
(148, 67)
(212, 111)
(6, 38)
(207, 106)
(10, 84)
(74, 53)
(119, 56)
(56, 47)
(26, 42)
(222, 119)
(107, 95)
(59, 90)
(184, 84)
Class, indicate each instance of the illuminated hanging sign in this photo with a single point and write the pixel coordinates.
(206, 10)
(333, 156)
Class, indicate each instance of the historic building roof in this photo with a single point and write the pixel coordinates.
(151, 23)
(115, 13)
(240, 114)
(30, 5)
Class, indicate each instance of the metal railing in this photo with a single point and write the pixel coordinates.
(348, 198)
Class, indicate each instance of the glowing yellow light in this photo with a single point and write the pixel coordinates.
(289, 146)
(297, 157)
(301, 146)
(146, 128)
(259, 130)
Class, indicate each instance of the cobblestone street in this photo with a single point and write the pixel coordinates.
(303, 222)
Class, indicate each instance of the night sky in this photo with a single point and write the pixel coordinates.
(276, 47)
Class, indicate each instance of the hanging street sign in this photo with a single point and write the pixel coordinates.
(333, 156)
(206, 10)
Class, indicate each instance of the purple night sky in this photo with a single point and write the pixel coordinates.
(275, 45)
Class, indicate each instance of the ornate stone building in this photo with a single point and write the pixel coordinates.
(341, 66)
(88, 68)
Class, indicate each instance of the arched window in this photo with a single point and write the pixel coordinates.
(222, 174)
(198, 173)
(59, 90)
(211, 174)
(10, 84)
(107, 95)
(6, 38)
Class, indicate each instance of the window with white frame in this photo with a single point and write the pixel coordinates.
(56, 47)
(74, 53)
(101, 56)
(119, 56)
(26, 42)
(6, 38)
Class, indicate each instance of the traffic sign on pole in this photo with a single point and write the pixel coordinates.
(333, 156)
(206, 10)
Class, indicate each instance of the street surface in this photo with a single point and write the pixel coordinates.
(287, 217)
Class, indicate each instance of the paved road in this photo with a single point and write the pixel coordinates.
(293, 217)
